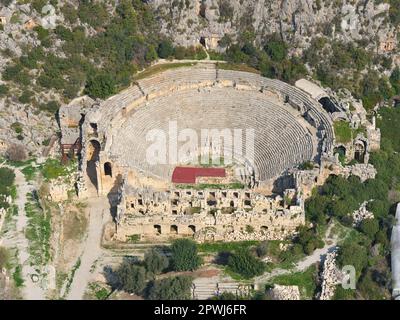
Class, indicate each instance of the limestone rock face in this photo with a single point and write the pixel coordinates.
(296, 21)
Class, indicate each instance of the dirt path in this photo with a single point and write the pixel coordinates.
(99, 215)
(30, 290)
(316, 256)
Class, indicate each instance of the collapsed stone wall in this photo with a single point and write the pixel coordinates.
(330, 277)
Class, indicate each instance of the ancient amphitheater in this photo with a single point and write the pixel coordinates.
(290, 128)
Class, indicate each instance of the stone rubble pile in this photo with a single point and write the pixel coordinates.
(361, 214)
(330, 277)
(285, 292)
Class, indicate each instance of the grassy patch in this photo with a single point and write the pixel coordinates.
(343, 132)
(38, 231)
(17, 277)
(237, 67)
(20, 164)
(160, 68)
(97, 291)
(211, 247)
(72, 275)
(53, 169)
(305, 280)
(29, 172)
(134, 238)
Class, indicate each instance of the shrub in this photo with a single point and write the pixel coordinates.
(276, 49)
(100, 86)
(245, 264)
(7, 177)
(353, 254)
(3, 90)
(165, 49)
(51, 107)
(53, 169)
(155, 262)
(132, 278)
(184, 255)
(262, 249)
(176, 288)
(25, 97)
(369, 227)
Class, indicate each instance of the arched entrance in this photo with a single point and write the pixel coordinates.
(92, 156)
(157, 229)
(359, 151)
(173, 229)
(192, 229)
(341, 151)
(107, 169)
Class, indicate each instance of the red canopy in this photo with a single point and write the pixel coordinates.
(189, 174)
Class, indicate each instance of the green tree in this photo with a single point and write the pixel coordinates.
(353, 254)
(184, 256)
(155, 262)
(369, 227)
(175, 288)
(132, 278)
(151, 54)
(245, 264)
(276, 49)
(165, 49)
(101, 86)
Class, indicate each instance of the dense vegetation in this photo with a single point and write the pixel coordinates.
(366, 248)
(174, 288)
(98, 63)
(336, 64)
(245, 264)
(184, 255)
(143, 277)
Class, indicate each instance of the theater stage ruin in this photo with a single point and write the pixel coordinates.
(258, 195)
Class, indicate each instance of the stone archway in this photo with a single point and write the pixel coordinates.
(157, 229)
(359, 151)
(341, 152)
(93, 157)
(107, 169)
(173, 229)
(192, 229)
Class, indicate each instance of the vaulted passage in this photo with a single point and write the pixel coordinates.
(359, 151)
(174, 229)
(157, 229)
(93, 151)
(192, 229)
(327, 104)
(107, 169)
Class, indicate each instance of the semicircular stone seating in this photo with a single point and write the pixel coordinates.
(281, 141)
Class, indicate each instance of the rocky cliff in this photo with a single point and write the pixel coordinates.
(296, 21)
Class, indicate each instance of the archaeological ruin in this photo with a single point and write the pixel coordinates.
(288, 146)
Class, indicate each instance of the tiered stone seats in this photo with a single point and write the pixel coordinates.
(281, 142)
(295, 94)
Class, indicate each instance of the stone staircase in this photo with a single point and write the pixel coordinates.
(205, 288)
